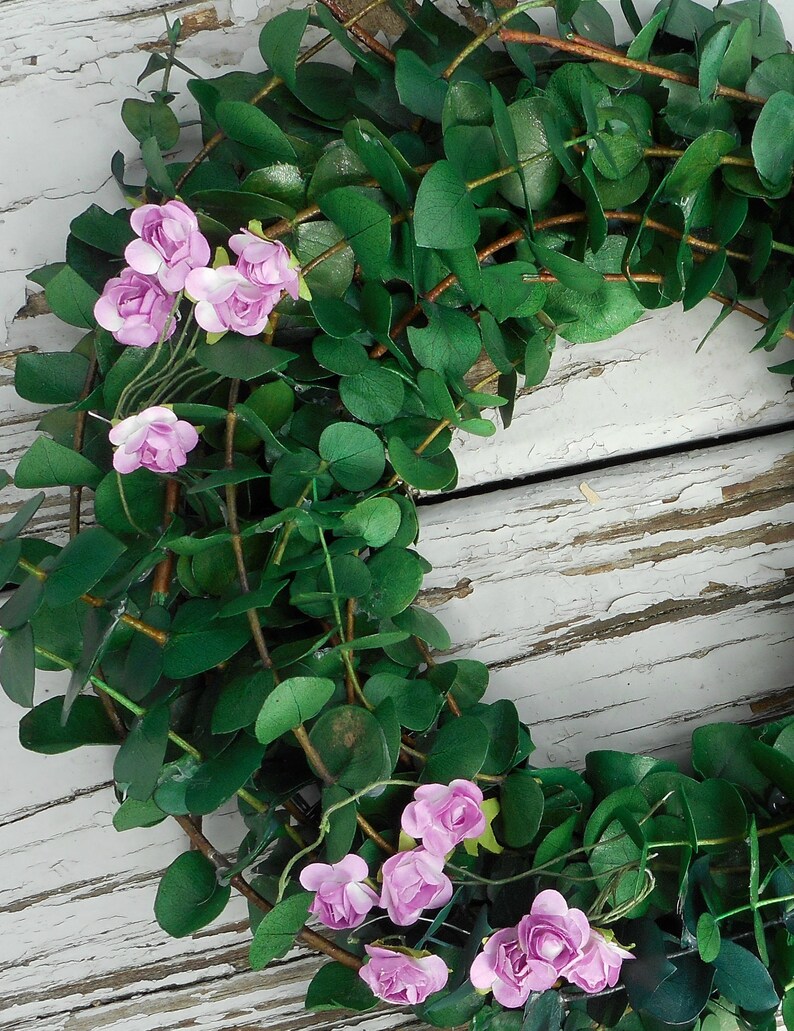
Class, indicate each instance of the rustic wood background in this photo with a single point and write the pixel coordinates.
(622, 558)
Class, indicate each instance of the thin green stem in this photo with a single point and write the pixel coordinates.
(490, 31)
(156, 351)
(757, 905)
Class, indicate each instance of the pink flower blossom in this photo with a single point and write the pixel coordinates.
(136, 309)
(553, 934)
(401, 979)
(444, 815)
(414, 881)
(154, 439)
(342, 901)
(227, 300)
(599, 965)
(170, 243)
(505, 968)
(266, 263)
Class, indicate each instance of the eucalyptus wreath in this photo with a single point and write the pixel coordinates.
(281, 338)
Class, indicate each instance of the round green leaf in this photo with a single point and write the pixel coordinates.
(397, 575)
(189, 896)
(354, 455)
(352, 745)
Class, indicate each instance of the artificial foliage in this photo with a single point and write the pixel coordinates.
(375, 247)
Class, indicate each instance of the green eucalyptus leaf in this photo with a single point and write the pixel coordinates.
(43, 730)
(189, 896)
(354, 454)
(444, 213)
(71, 298)
(276, 933)
(773, 139)
(279, 43)
(291, 703)
(18, 666)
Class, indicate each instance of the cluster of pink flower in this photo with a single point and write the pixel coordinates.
(551, 942)
(138, 307)
(171, 254)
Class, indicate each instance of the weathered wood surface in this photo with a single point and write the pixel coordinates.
(619, 606)
(620, 621)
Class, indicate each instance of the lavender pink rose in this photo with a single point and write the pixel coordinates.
(169, 243)
(154, 439)
(342, 899)
(551, 942)
(412, 882)
(444, 815)
(402, 979)
(599, 965)
(266, 263)
(136, 309)
(227, 300)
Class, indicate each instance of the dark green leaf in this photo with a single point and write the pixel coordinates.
(18, 666)
(189, 896)
(522, 808)
(42, 730)
(291, 703)
(352, 745)
(337, 987)
(459, 750)
(241, 357)
(71, 298)
(49, 464)
(396, 578)
(773, 139)
(743, 979)
(276, 933)
(136, 769)
(151, 118)
(366, 226)
(354, 454)
(102, 230)
(279, 43)
(444, 214)
(81, 564)
(450, 343)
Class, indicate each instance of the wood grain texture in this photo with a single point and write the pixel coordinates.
(623, 611)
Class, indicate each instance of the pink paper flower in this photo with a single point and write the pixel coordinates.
(170, 243)
(266, 263)
(136, 309)
(414, 881)
(400, 979)
(504, 968)
(227, 300)
(553, 934)
(444, 815)
(342, 901)
(154, 439)
(599, 965)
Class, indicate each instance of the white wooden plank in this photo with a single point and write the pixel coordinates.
(627, 622)
(619, 621)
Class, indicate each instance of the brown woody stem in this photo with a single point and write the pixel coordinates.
(606, 55)
(308, 937)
